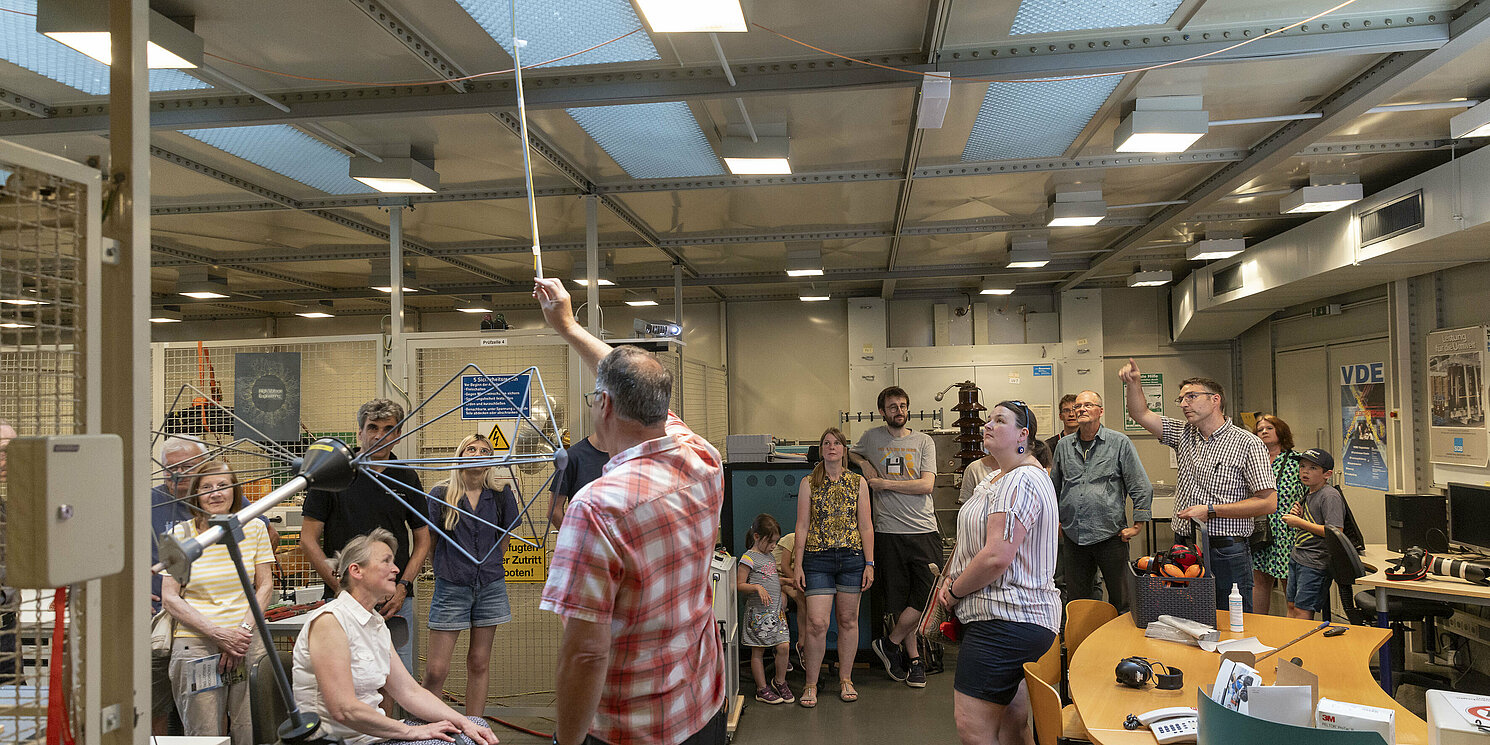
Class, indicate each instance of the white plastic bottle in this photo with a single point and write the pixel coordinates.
(1235, 602)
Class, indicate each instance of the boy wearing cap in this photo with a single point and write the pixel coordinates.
(1308, 564)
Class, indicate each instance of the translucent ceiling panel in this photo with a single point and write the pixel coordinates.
(286, 151)
(1049, 16)
(651, 140)
(20, 44)
(1034, 120)
(555, 29)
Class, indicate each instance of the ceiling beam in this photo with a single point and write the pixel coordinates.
(935, 33)
(1388, 77)
(193, 256)
(651, 82)
(25, 105)
(417, 43)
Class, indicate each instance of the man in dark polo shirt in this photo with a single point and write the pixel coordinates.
(585, 464)
(333, 519)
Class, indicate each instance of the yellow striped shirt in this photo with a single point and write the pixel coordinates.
(214, 590)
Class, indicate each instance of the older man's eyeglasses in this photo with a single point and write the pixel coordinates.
(592, 397)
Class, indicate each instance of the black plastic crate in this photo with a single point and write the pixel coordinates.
(1183, 597)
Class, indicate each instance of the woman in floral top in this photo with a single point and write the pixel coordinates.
(834, 559)
(1270, 562)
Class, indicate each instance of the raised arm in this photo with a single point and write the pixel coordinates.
(553, 299)
(1138, 406)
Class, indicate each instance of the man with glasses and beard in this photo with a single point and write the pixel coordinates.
(900, 466)
(1225, 477)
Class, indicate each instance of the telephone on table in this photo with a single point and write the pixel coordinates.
(1173, 724)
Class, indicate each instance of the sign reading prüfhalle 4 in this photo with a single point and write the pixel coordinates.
(1456, 393)
(266, 396)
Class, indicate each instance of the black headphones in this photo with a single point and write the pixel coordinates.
(1136, 672)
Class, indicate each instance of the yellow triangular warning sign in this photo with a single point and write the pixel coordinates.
(498, 440)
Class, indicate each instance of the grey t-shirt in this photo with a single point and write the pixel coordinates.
(1323, 506)
(900, 459)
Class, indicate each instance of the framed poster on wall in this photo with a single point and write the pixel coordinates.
(1456, 393)
(1153, 394)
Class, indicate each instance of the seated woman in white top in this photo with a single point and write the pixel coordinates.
(340, 666)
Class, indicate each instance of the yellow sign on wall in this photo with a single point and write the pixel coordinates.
(524, 563)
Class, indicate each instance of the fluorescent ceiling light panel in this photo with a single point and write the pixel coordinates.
(1078, 206)
(286, 151)
(1212, 249)
(1473, 123)
(765, 155)
(1161, 124)
(651, 140)
(463, 306)
(389, 288)
(1034, 120)
(16, 325)
(166, 314)
(996, 287)
(604, 277)
(641, 299)
(804, 259)
(201, 284)
(555, 29)
(1321, 198)
(1028, 252)
(1152, 278)
(22, 301)
(936, 95)
(22, 45)
(685, 16)
(1050, 16)
(315, 314)
(395, 175)
(814, 296)
(84, 25)
(379, 278)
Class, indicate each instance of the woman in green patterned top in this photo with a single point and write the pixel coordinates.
(1270, 562)
(834, 560)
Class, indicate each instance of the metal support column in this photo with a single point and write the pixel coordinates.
(125, 333)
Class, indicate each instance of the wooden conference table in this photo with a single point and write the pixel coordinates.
(1341, 663)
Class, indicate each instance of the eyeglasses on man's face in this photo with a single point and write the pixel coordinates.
(592, 397)
(1189, 398)
(1084, 407)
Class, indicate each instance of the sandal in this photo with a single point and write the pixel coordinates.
(808, 699)
(846, 691)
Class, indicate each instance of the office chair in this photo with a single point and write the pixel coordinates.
(266, 707)
(1360, 609)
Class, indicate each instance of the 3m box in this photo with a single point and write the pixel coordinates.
(64, 510)
(1333, 714)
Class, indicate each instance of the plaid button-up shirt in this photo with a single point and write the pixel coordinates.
(634, 553)
(1226, 468)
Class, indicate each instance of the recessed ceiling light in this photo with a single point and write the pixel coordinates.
(315, 314)
(685, 16)
(389, 289)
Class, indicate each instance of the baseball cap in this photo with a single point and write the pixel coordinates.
(1319, 457)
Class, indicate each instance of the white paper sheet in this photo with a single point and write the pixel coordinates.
(1250, 644)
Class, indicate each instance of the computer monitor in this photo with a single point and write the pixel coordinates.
(1469, 517)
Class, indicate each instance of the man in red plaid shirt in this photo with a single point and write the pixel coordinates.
(640, 662)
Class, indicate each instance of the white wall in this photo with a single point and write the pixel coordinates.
(788, 371)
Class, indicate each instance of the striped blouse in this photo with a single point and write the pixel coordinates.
(214, 590)
(1025, 592)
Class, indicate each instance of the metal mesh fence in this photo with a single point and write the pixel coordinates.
(335, 378)
(526, 650)
(43, 222)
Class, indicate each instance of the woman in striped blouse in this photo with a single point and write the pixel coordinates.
(212, 614)
(1003, 587)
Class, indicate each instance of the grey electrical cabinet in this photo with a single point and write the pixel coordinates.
(64, 510)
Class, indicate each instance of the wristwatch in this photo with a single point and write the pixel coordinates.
(868, 563)
(408, 586)
(1210, 511)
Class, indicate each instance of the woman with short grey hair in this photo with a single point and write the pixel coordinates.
(341, 665)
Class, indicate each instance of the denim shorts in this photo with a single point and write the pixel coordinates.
(458, 607)
(1308, 588)
(833, 570)
(991, 657)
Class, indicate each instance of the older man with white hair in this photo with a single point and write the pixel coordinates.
(168, 506)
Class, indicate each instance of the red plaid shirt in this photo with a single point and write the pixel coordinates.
(634, 552)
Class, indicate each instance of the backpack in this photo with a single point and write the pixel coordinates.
(1352, 530)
